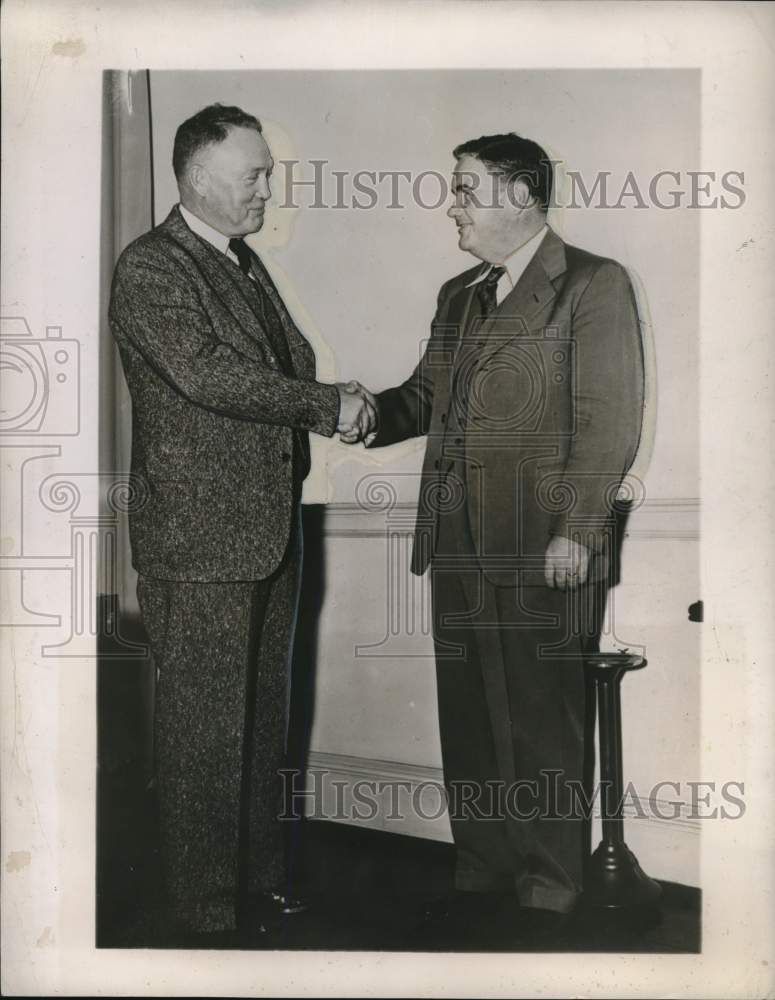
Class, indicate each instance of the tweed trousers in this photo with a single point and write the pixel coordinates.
(222, 653)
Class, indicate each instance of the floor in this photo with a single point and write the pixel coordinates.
(369, 890)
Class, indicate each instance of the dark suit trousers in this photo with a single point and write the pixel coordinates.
(222, 652)
(511, 715)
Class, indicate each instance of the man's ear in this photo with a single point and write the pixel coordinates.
(199, 178)
(519, 193)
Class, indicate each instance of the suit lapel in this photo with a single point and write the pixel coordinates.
(532, 294)
(460, 308)
(216, 274)
(264, 279)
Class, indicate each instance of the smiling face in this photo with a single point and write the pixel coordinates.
(231, 181)
(487, 212)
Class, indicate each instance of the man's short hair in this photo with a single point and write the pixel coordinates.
(516, 158)
(210, 125)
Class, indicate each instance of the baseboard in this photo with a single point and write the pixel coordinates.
(405, 798)
(377, 794)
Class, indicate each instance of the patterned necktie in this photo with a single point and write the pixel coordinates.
(270, 320)
(275, 334)
(486, 289)
(241, 251)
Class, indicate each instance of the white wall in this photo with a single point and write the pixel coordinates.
(363, 285)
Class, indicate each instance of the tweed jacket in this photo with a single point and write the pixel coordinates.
(533, 414)
(213, 415)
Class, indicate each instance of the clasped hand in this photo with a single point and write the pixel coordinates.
(566, 564)
(357, 413)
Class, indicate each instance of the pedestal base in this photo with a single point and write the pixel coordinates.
(615, 880)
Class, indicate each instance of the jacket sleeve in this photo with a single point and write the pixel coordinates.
(405, 410)
(160, 314)
(607, 399)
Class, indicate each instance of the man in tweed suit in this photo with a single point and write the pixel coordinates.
(223, 396)
(530, 392)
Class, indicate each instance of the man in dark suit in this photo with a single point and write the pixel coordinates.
(530, 392)
(223, 397)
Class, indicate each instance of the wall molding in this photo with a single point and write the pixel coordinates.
(349, 770)
(674, 518)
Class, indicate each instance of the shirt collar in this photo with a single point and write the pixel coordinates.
(517, 261)
(205, 231)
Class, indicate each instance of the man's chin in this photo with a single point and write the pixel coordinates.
(464, 243)
(254, 222)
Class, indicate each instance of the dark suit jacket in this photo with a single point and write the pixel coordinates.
(213, 413)
(533, 415)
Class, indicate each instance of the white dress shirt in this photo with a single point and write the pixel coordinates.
(515, 265)
(215, 239)
(212, 236)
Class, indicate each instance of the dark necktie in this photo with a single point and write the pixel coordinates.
(271, 321)
(241, 251)
(470, 344)
(486, 289)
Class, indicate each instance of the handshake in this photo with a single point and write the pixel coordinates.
(357, 413)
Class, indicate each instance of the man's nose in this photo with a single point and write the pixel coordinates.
(453, 211)
(264, 191)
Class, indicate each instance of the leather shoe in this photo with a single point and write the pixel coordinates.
(281, 902)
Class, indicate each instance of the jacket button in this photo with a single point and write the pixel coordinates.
(271, 358)
(286, 456)
(458, 440)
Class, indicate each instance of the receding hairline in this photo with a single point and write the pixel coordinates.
(213, 144)
(209, 127)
